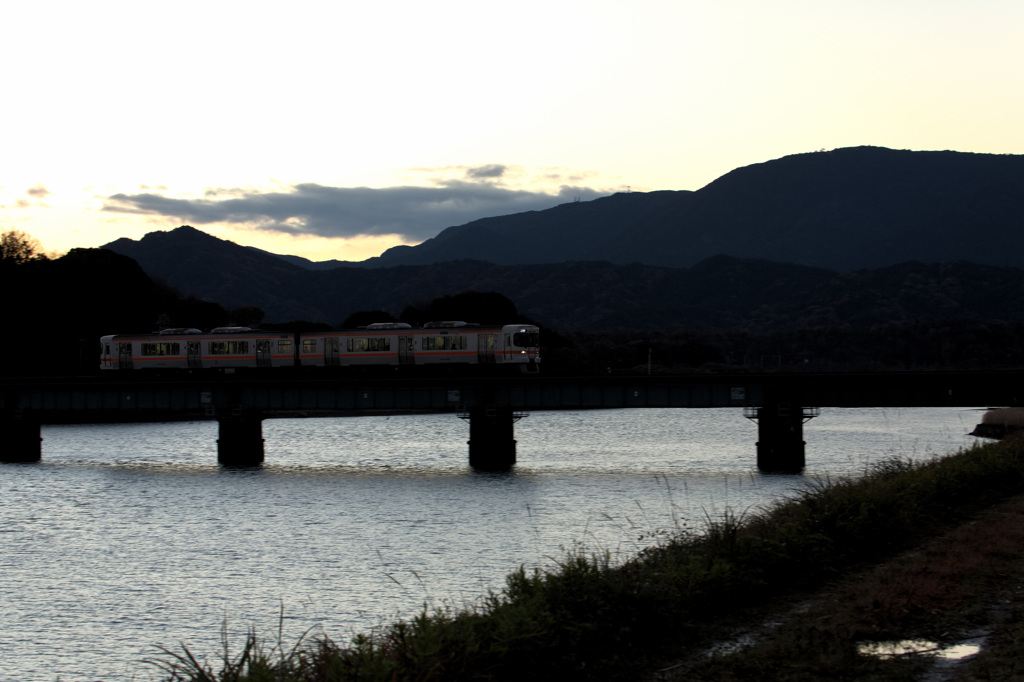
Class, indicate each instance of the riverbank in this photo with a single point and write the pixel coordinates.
(1000, 423)
(590, 619)
(949, 609)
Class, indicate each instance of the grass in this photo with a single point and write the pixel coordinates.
(962, 585)
(591, 619)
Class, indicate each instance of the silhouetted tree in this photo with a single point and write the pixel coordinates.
(247, 316)
(297, 326)
(469, 306)
(18, 248)
(363, 318)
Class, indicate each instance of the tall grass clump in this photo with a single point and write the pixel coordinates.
(589, 618)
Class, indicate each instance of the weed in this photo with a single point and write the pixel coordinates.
(591, 619)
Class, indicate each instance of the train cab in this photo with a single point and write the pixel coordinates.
(522, 346)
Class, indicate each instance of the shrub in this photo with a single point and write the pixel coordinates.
(590, 619)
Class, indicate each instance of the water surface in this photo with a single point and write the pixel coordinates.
(126, 537)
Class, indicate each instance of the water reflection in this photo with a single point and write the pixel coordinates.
(905, 647)
(130, 536)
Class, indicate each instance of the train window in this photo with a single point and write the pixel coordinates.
(525, 339)
(229, 347)
(363, 345)
(444, 342)
(162, 348)
(308, 345)
(284, 346)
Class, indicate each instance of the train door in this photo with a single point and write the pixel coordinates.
(194, 350)
(406, 351)
(263, 352)
(332, 347)
(308, 355)
(124, 355)
(485, 349)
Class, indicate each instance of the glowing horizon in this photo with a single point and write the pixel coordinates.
(409, 117)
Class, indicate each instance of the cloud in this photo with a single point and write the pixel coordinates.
(35, 198)
(458, 195)
(38, 192)
(492, 170)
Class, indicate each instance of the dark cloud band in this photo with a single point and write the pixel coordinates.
(415, 213)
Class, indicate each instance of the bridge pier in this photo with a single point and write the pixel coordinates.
(780, 432)
(20, 439)
(491, 443)
(240, 441)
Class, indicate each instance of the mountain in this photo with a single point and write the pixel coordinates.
(575, 294)
(721, 292)
(854, 236)
(862, 207)
(305, 263)
(218, 270)
(580, 231)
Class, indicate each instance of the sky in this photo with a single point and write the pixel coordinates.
(335, 130)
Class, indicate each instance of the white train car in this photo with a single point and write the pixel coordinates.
(435, 343)
(394, 344)
(222, 348)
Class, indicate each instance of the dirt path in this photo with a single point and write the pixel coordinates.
(949, 610)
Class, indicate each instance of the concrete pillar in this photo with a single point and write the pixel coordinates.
(780, 432)
(20, 440)
(491, 443)
(240, 442)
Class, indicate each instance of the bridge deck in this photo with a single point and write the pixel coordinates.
(240, 403)
(62, 399)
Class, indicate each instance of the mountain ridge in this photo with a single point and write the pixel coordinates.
(850, 208)
(717, 293)
(795, 241)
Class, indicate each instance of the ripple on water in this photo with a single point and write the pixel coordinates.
(130, 536)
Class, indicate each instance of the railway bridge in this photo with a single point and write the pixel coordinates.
(779, 402)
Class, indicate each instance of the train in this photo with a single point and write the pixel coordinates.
(387, 344)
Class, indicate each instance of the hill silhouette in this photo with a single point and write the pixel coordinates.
(769, 240)
(867, 256)
(862, 207)
(718, 293)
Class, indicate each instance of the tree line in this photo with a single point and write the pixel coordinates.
(57, 307)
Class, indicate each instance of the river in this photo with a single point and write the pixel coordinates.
(129, 537)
